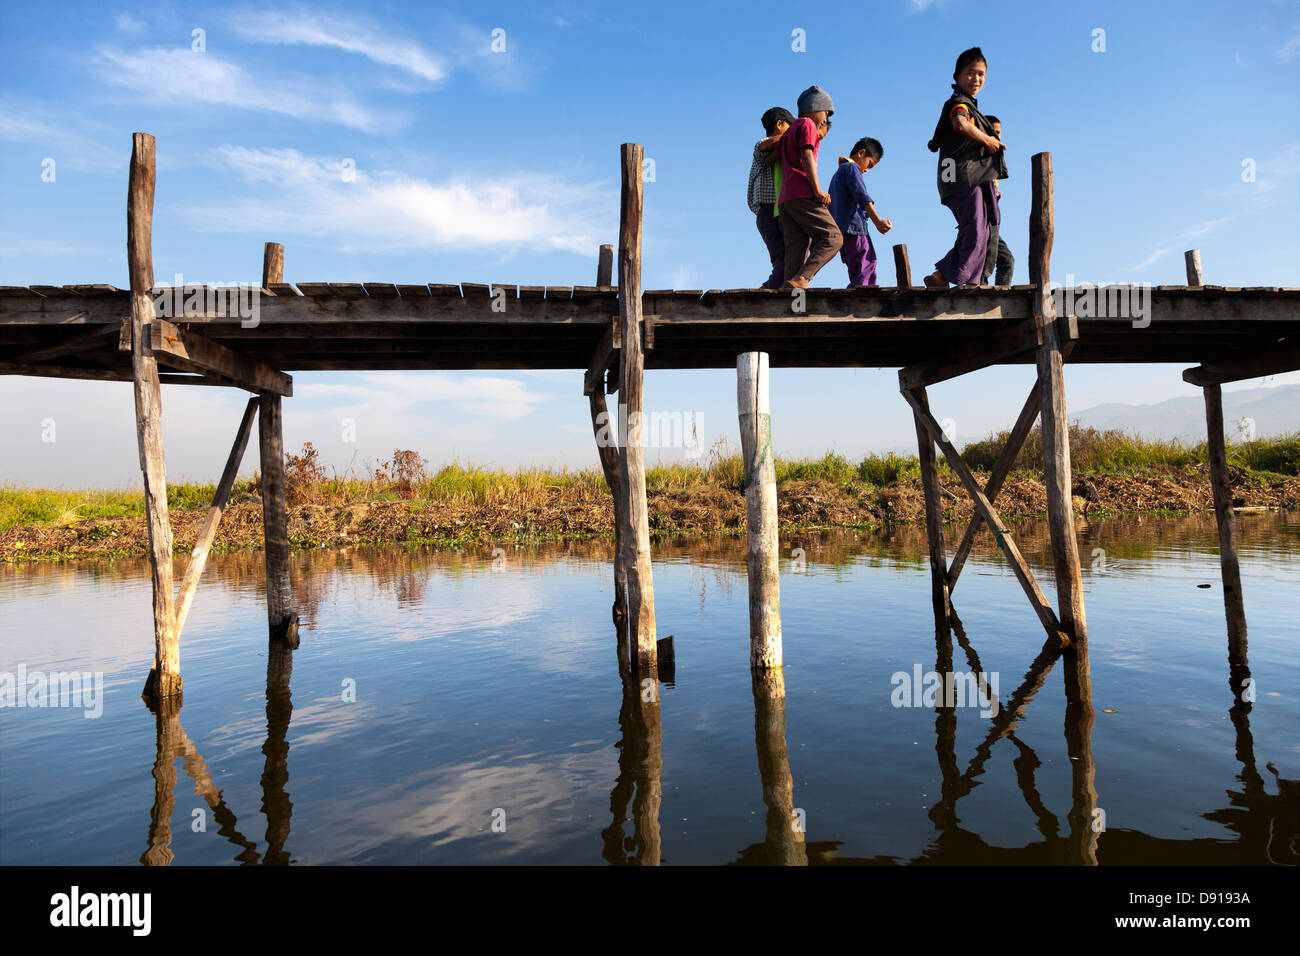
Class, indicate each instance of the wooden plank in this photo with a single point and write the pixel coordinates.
(1057, 474)
(194, 352)
(762, 554)
(902, 268)
(80, 341)
(476, 291)
(272, 265)
(19, 291)
(208, 531)
(64, 371)
(939, 598)
(640, 585)
(967, 357)
(416, 291)
(1018, 566)
(559, 292)
(275, 522)
(285, 289)
(1273, 361)
(348, 290)
(445, 291)
(533, 293)
(382, 289)
(318, 290)
(93, 288)
(165, 679)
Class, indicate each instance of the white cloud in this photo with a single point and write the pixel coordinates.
(189, 79)
(1193, 232)
(393, 210)
(353, 36)
(127, 23)
(501, 399)
(1291, 48)
(61, 141)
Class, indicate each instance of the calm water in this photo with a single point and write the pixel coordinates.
(488, 695)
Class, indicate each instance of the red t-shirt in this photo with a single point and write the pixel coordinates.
(794, 181)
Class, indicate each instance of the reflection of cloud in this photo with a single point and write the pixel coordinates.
(393, 211)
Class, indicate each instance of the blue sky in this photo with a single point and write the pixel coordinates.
(480, 166)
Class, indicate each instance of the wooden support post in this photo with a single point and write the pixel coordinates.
(902, 268)
(208, 533)
(1226, 519)
(762, 540)
(1057, 474)
(272, 264)
(283, 623)
(785, 839)
(165, 678)
(636, 530)
(608, 449)
(939, 597)
(281, 619)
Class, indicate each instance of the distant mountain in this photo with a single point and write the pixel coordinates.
(1274, 411)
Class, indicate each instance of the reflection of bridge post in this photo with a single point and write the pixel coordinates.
(1079, 719)
(640, 765)
(785, 839)
(275, 773)
(173, 743)
(945, 725)
(167, 715)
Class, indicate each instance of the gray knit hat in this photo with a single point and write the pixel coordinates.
(813, 99)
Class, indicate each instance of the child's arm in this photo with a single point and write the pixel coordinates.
(768, 143)
(962, 125)
(884, 225)
(810, 170)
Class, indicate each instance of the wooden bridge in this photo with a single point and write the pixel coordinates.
(611, 333)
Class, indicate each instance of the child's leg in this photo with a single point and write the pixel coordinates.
(796, 240)
(990, 254)
(966, 258)
(854, 255)
(816, 222)
(769, 227)
(1006, 263)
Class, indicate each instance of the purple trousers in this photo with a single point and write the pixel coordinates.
(976, 212)
(859, 255)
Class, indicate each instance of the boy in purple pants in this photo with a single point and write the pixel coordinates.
(851, 207)
(970, 159)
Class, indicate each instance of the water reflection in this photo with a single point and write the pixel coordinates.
(1266, 824)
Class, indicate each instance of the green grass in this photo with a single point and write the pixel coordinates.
(1092, 452)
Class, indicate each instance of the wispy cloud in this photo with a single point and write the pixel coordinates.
(351, 35)
(1291, 48)
(395, 211)
(186, 78)
(64, 142)
(1194, 232)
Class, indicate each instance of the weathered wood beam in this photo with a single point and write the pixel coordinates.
(902, 268)
(275, 523)
(994, 349)
(79, 342)
(601, 359)
(762, 545)
(208, 531)
(1018, 566)
(1057, 474)
(1276, 360)
(165, 679)
(607, 446)
(1001, 468)
(194, 352)
(272, 265)
(1225, 518)
(640, 585)
(939, 597)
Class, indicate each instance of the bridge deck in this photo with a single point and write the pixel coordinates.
(70, 331)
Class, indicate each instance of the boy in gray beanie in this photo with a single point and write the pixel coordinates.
(806, 221)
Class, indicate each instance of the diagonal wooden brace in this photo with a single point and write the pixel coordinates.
(1018, 566)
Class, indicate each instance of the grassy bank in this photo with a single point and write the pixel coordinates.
(403, 499)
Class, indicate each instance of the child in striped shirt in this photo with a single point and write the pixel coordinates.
(765, 186)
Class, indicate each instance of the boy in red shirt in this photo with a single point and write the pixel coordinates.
(806, 221)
